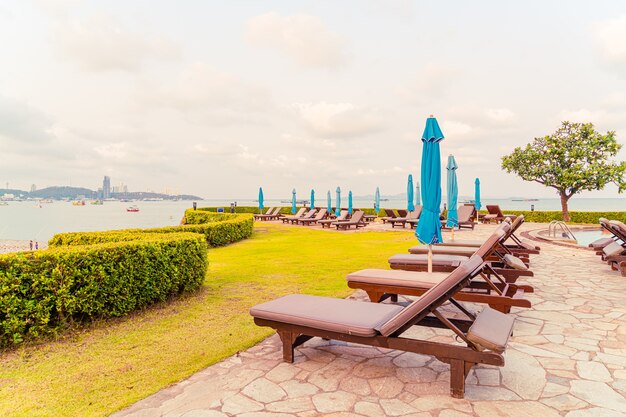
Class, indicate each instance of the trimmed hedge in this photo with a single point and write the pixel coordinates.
(42, 292)
(588, 217)
(218, 229)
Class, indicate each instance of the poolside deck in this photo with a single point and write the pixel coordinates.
(567, 357)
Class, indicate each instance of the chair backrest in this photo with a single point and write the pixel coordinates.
(433, 298)
(495, 209)
(320, 214)
(390, 213)
(300, 212)
(343, 215)
(269, 210)
(402, 212)
(415, 214)
(489, 245)
(309, 214)
(275, 211)
(465, 213)
(357, 217)
(619, 229)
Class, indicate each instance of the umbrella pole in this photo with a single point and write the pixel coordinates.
(430, 258)
(452, 233)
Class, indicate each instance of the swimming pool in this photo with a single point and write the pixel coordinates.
(586, 236)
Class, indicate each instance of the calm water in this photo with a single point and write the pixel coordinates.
(585, 237)
(25, 220)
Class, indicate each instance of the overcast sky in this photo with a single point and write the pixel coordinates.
(217, 98)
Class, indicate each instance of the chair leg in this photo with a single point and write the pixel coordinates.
(458, 372)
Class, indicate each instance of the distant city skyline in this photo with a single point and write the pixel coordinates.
(217, 99)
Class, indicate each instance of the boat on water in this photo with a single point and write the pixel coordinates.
(524, 199)
(78, 203)
(46, 201)
(132, 209)
(97, 202)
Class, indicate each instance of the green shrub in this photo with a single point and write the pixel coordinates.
(44, 291)
(589, 217)
(218, 229)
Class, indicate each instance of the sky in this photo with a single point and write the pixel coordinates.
(217, 98)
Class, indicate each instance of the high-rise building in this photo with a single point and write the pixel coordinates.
(33, 188)
(106, 187)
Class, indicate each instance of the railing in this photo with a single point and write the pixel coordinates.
(565, 230)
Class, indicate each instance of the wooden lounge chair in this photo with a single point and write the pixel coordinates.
(369, 217)
(312, 220)
(356, 220)
(299, 214)
(308, 215)
(402, 213)
(601, 243)
(326, 223)
(298, 318)
(412, 215)
(274, 215)
(390, 214)
(490, 289)
(495, 214)
(262, 215)
(505, 264)
(511, 242)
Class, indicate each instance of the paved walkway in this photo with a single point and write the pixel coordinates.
(567, 358)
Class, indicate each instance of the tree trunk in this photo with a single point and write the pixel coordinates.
(564, 199)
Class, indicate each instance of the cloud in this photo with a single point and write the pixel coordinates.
(339, 119)
(610, 40)
(431, 81)
(22, 123)
(102, 43)
(503, 117)
(302, 38)
(454, 128)
(208, 95)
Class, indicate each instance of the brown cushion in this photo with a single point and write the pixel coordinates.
(446, 260)
(438, 293)
(447, 250)
(514, 262)
(601, 243)
(613, 249)
(324, 313)
(397, 278)
(491, 330)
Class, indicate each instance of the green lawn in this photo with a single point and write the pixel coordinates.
(108, 366)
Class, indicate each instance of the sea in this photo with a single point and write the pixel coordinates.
(26, 220)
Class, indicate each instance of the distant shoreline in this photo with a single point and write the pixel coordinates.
(11, 246)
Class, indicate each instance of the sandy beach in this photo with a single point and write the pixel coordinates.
(7, 246)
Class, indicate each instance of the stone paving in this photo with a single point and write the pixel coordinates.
(567, 357)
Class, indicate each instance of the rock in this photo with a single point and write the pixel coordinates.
(598, 394)
(238, 404)
(386, 387)
(396, 407)
(594, 371)
(264, 390)
(331, 402)
(369, 409)
(513, 409)
(565, 402)
(523, 375)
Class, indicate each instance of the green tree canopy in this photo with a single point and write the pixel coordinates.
(575, 158)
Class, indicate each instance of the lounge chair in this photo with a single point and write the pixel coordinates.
(599, 244)
(495, 214)
(390, 214)
(267, 213)
(505, 264)
(298, 318)
(312, 220)
(326, 223)
(465, 218)
(615, 253)
(273, 215)
(492, 289)
(299, 214)
(356, 220)
(402, 213)
(308, 215)
(369, 217)
(412, 215)
(512, 242)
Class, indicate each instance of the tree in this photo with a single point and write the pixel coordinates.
(575, 158)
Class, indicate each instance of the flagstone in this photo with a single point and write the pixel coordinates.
(355, 385)
(292, 405)
(552, 390)
(513, 409)
(264, 390)
(203, 413)
(523, 374)
(594, 371)
(296, 389)
(369, 409)
(598, 394)
(395, 407)
(329, 402)
(436, 402)
(238, 404)
(594, 412)
(386, 387)
(565, 402)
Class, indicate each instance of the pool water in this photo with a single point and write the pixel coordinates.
(585, 237)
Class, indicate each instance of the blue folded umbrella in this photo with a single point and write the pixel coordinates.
(453, 193)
